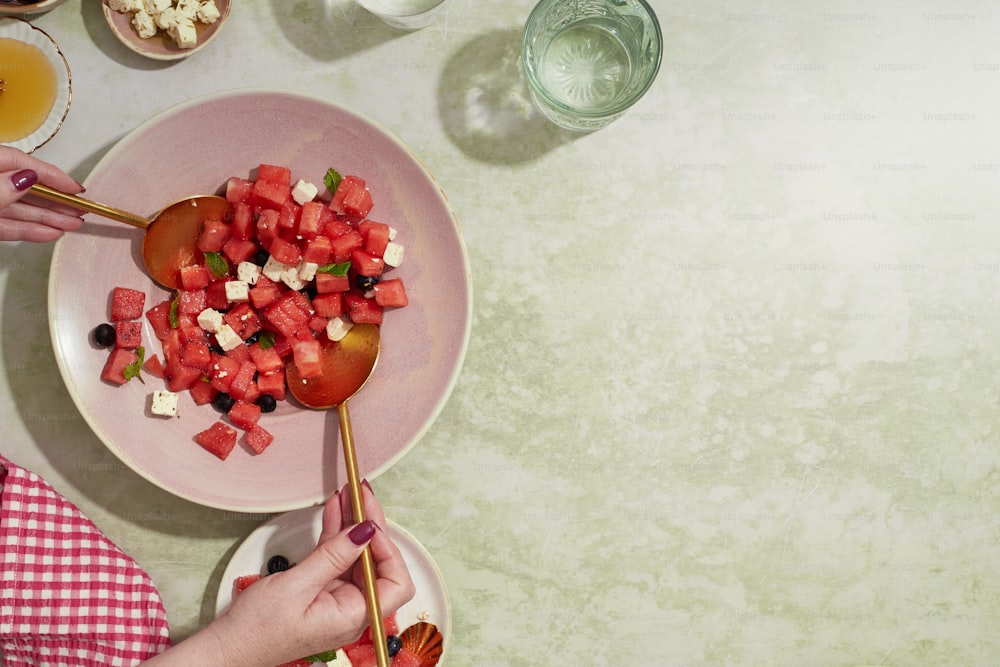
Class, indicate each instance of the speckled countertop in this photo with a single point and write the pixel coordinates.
(730, 397)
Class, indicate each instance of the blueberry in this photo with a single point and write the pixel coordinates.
(261, 257)
(266, 403)
(365, 283)
(393, 643)
(223, 402)
(253, 338)
(277, 563)
(104, 335)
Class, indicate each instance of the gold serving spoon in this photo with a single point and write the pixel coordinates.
(347, 365)
(171, 239)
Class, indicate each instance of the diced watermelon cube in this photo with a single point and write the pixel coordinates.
(327, 282)
(362, 310)
(213, 236)
(335, 227)
(196, 355)
(272, 384)
(243, 387)
(310, 219)
(215, 295)
(202, 392)
(219, 439)
(243, 319)
(258, 438)
(240, 353)
(376, 235)
(361, 655)
(274, 174)
(389, 293)
(244, 582)
(159, 319)
(191, 302)
(128, 334)
(404, 658)
(285, 251)
(243, 224)
(317, 251)
(181, 376)
(223, 372)
(366, 264)
(267, 227)
(154, 366)
(269, 194)
(308, 357)
(126, 304)
(114, 367)
(330, 304)
(244, 415)
(266, 360)
(191, 332)
(288, 217)
(239, 250)
(342, 246)
(352, 198)
(262, 296)
(195, 277)
(238, 189)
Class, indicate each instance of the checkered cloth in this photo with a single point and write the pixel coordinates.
(68, 595)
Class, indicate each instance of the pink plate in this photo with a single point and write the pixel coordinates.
(192, 149)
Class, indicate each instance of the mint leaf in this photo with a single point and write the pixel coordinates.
(133, 369)
(331, 180)
(175, 322)
(336, 269)
(266, 340)
(217, 264)
(325, 656)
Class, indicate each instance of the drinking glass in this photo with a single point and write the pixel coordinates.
(587, 61)
(404, 14)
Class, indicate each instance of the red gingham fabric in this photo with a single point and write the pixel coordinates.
(68, 595)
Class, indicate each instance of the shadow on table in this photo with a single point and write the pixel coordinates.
(327, 30)
(485, 105)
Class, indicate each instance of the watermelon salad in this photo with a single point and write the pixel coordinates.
(288, 269)
(418, 645)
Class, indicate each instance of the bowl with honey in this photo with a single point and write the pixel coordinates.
(35, 87)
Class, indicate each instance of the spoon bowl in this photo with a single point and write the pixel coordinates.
(347, 365)
(171, 238)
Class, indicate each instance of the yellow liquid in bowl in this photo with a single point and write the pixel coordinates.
(29, 89)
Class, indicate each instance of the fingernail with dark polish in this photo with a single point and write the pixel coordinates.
(24, 179)
(362, 533)
(368, 486)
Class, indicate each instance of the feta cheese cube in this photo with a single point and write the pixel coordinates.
(184, 34)
(187, 10)
(392, 233)
(210, 320)
(307, 271)
(164, 403)
(237, 291)
(154, 7)
(143, 24)
(337, 328)
(290, 276)
(273, 269)
(208, 12)
(125, 6)
(303, 192)
(227, 338)
(166, 19)
(248, 272)
(393, 255)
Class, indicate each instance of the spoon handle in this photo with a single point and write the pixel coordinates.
(82, 204)
(367, 563)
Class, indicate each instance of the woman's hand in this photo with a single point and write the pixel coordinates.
(25, 218)
(316, 606)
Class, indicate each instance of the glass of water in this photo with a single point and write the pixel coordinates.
(588, 61)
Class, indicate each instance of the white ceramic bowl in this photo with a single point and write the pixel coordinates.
(39, 7)
(161, 46)
(22, 31)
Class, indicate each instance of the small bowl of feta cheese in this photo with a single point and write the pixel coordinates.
(166, 29)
